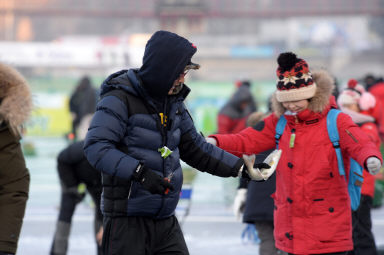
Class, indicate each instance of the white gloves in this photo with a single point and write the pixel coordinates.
(373, 165)
(211, 140)
(239, 202)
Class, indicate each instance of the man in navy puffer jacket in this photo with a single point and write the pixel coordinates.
(139, 133)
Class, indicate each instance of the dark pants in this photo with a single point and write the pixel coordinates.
(143, 236)
(67, 208)
(363, 239)
(335, 253)
(267, 241)
(3, 253)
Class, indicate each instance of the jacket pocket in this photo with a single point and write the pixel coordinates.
(331, 216)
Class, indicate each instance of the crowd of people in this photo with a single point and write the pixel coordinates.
(128, 156)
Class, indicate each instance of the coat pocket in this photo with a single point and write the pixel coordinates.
(330, 214)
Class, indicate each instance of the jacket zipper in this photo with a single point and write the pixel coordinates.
(130, 189)
(163, 131)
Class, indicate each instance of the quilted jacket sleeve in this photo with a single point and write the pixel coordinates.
(107, 129)
(196, 152)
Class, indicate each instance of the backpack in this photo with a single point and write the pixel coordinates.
(355, 178)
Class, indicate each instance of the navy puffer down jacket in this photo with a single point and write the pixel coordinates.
(122, 136)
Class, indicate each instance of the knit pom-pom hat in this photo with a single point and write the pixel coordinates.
(294, 80)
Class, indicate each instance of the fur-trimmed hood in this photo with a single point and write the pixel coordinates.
(15, 98)
(319, 102)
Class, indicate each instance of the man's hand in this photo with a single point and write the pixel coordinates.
(151, 181)
(99, 236)
(373, 165)
(239, 202)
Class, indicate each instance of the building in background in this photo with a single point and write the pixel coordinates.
(235, 38)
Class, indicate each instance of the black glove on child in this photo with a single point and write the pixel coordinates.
(244, 173)
(151, 181)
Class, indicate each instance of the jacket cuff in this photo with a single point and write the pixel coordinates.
(236, 170)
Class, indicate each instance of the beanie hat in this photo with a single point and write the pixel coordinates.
(294, 81)
(356, 94)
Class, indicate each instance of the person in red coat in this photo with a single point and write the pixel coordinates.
(358, 104)
(312, 213)
(233, 115)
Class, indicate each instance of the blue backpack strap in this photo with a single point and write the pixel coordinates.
(355, 179)
(280, 126)
(333, 134)
(355, 182)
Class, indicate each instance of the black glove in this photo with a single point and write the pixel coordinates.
(152, 181)
(262, 165)
(244, 173)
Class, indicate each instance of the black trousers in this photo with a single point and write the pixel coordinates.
(363, 239)
(335, 253)
(143, 236)
(68, 205)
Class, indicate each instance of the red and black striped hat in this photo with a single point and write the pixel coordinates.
(294, 80)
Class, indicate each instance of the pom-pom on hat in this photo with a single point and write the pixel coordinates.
(294, 80)
(356, 94)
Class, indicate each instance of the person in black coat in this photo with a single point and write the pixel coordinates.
(82, 104)
(74, 170)
(138, 135)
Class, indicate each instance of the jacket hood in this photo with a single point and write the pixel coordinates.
(165, 57)
(15, 98)
(129, 81)
(322, 99)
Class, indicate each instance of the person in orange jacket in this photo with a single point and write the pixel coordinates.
(312, 213)
(358, 104)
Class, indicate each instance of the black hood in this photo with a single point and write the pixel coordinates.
(165, 57)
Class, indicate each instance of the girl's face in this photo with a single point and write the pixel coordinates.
(296, 106)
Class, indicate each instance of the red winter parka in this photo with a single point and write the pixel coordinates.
(312, 207)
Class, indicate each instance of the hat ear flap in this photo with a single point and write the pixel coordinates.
(367, 101)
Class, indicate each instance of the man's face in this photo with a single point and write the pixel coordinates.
(177, 85)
